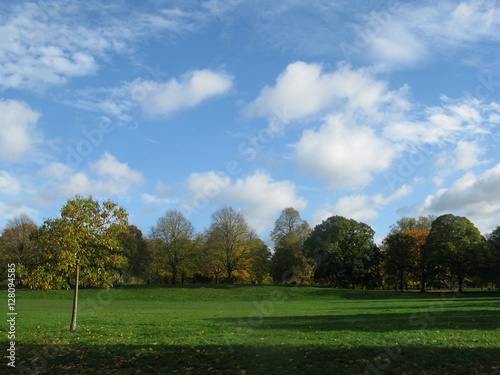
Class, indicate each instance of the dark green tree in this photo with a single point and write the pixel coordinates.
(399, 259)
(457, 245)
(135, 249)
(491, 270)
(341, 250)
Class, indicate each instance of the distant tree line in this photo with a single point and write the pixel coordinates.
(96, 238)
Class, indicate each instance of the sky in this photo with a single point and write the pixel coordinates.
(372, 110)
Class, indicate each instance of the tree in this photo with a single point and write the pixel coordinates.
(491, 270)
(290, 222)
(174, 235)
(227, 239)
(340, 248)
(406, 224)
(457, 244)
(257, 262)
(16, 245)
(288, 262)
(423, 267)
(86, 237)
(135, 249)
(399, 257)
(404, 258)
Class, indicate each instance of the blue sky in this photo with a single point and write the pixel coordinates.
(369, 110)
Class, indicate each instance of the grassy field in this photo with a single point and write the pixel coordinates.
(255, 330)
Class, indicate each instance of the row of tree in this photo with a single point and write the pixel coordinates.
(97, 239)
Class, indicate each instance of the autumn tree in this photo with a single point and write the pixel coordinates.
(399, 257)
(228, 239)
(85, 237)
(288, 262)
(257, 261)
(16, 245)
(457, 245)
(341, 250)
(406, 224)
(174, 236)
(423, 266)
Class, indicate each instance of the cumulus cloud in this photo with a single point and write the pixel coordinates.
(343, 156)
(176, 94)
(258, 196)
(18, 130)
(304, 89)
(472, 196)
(105, 177)
(360, 207)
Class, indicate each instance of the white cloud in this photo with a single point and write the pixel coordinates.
(259, 197)
(359, 207)
(163, 195)
(49, 43)
(305, 89)
(473, 196)
(465, 156)
(18, 130)
(9, 184)
(418, 31)
(177, 94)
(454, 119)
(105, 177)
(343, 156)
(12, 209)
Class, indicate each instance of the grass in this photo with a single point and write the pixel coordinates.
(255, 330)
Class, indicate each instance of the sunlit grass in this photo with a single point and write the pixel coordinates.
(258, 330)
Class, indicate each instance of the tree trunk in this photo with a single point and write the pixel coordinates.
(460, 285)
(72, 327)
(174, 275)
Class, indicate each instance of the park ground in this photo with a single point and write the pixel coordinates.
(254, 330)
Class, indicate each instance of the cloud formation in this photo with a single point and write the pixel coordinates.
(258, 196)
(343, 156)
(157, 98)
(19, 134)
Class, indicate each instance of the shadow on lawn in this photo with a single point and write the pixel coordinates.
(425, 319)
(254, 359)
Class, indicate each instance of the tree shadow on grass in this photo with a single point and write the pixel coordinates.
(228, 358)
(432, 319)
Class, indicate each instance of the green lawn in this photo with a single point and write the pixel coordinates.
(255, 330)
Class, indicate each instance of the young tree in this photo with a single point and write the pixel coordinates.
(86, 237)
(174, 236)
(457, 244)
(341, 249)
(228, 239)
